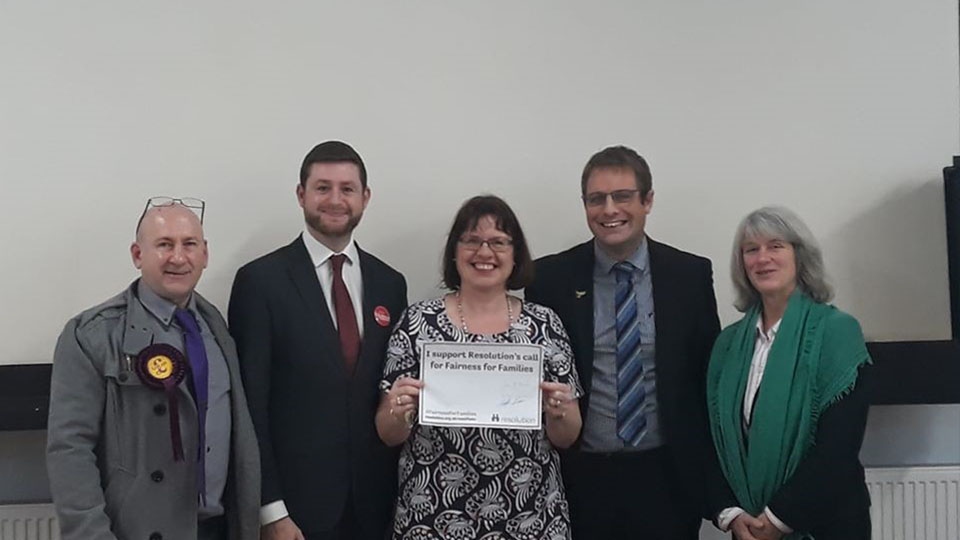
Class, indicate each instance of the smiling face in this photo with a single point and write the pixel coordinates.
(483, 268)
(771, 266)
(333, 200)
(170, 252)
(617, 226)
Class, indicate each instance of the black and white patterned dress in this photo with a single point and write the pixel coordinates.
(479, 483)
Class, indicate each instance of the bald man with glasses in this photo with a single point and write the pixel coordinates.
(149, 435)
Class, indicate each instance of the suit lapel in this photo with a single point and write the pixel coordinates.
(219, 331)
(581, 280)
(304, 277)
(667, 309)
(373, 297)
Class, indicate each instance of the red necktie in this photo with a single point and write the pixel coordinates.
(346, 317)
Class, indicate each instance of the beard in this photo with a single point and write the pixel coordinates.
(316, 223)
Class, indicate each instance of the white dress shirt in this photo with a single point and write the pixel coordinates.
(320, 255)
(761, 350)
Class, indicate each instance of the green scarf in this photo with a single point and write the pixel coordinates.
(813, 362)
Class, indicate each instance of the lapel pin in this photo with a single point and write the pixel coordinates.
(579, 294)
(382, 316)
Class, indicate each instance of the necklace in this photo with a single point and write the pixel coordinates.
(463, 320)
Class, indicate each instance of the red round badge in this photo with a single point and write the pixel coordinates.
(381, 315)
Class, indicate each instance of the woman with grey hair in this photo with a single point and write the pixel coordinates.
(785, 394)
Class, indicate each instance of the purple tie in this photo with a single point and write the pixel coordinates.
(197, 356)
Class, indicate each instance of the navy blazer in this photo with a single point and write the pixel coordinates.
(315, 423)
(686, 326)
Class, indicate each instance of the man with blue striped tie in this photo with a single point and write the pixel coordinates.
(642, 318)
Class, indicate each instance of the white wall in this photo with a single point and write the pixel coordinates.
(845, 111)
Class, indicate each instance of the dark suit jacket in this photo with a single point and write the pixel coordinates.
(686, 324)
(315, 423)
(827, 494)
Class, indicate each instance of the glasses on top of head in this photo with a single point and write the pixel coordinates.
(620, 196)
(474, 243)
(197, 205)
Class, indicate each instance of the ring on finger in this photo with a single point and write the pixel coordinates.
(398, 401)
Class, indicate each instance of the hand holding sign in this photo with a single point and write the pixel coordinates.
(557, 398)
(403, 397)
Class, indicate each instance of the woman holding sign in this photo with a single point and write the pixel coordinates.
(499, 390)
(787, 404)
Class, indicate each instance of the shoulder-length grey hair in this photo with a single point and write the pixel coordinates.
(781, 223)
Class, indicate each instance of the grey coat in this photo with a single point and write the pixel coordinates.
(109, 453)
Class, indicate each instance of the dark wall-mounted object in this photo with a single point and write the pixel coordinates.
(951, 197)
(905, 372)
(24, 396)
(915, 372)
(927, 372)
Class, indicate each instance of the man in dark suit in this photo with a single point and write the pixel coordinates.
(642, 318)
(311, 321)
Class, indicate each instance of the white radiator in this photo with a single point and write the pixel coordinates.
(28, 522)
(909, 503)
(914, 503)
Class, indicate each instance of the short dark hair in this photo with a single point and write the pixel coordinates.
(332, 152)
(619, 157)
(467, 217)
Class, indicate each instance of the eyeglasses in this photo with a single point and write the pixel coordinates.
(599, 198)
(197, 205)
(474, 243)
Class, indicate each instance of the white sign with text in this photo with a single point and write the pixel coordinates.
(481, 385)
